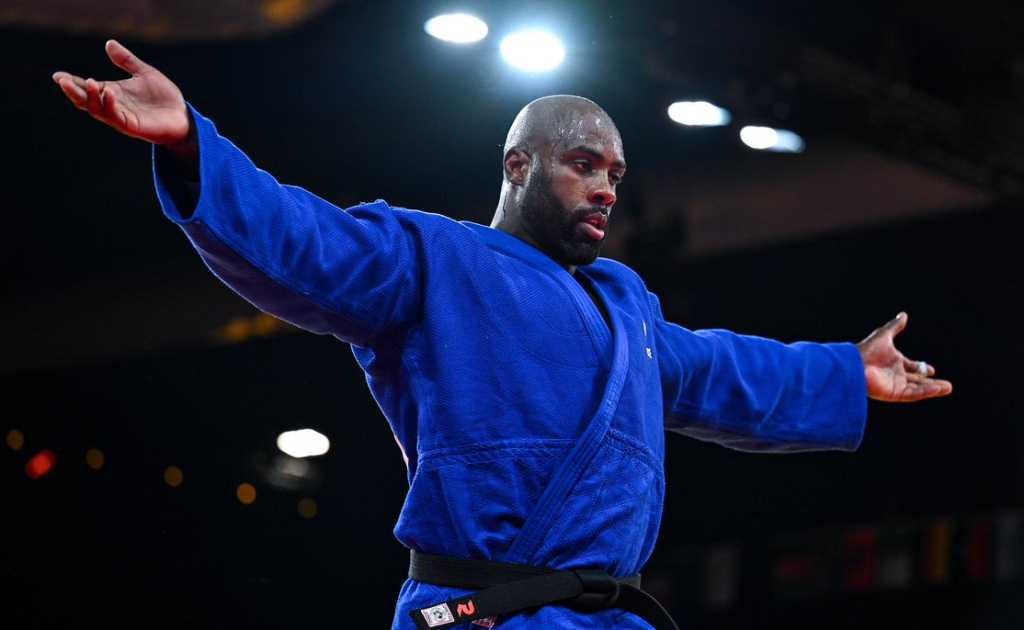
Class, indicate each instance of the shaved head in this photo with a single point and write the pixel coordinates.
(556, 121)
(562, 161)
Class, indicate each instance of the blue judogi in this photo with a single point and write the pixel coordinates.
(533, 432)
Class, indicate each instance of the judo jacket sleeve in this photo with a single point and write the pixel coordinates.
(350, 273)
(754, 394)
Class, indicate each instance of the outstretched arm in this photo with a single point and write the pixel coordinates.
(351, 273)
(755, 394)
(750, 393)
(892, 377)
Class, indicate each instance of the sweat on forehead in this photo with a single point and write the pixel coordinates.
(562, 121)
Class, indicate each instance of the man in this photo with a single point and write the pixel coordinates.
(527, 381)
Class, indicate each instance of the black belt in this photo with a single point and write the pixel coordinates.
(509, 588)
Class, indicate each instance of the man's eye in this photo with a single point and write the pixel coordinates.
(583, 165)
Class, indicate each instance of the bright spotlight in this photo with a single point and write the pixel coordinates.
(698, 114)
(457, 28)
(768, 139)
(533, 51)
(303, 443)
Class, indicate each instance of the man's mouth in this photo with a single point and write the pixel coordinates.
(593, 225)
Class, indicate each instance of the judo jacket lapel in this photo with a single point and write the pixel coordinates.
(569, 473)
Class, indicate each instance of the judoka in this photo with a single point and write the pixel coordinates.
(527, 381)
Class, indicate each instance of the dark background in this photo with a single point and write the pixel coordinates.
(116, 337)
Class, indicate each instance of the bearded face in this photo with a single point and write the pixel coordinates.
(554, 226)
(563, 164)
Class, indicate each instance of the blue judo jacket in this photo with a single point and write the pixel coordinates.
(533, 430)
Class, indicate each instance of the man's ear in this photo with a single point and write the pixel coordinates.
(517, 166)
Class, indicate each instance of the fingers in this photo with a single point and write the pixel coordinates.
(920, 384)
(90, 95)
(72, 86)
(124, 59)
(94, 97)
(889, 329)
(897, 324)
(110, 110)
(915, 368)
(917, 389)
(928, 389)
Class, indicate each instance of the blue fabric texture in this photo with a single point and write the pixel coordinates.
(533, 432)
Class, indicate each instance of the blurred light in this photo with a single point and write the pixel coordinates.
(307, 508)
(938, 541)
(759, 137)
(246, 493)
(303, 443)
(236, 331)
(768, 139)
(242, 329)
(263, 324)
(698, 114)
(283, 11)
(40, 464)
(15, 439)
(173, 476)
(533, 51)
(457, 28)
(292, 467)
(94, 458)
(288, 473)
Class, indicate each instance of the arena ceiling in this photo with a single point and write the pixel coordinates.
(938, 83)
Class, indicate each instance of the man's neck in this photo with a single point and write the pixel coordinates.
(518, 232)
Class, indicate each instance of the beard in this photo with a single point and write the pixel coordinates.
(553, 226)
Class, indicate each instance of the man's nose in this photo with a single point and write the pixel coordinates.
(602, 197)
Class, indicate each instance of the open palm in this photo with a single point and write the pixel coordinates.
(148, 106)
(890, 375)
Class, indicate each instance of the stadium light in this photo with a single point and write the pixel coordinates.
(303, 443)
(533, 51)
(698, 114)
(456, 28)
(768, 139)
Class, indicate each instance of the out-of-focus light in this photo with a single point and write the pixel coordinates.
(288, 473)
(173, 476)
(292, 467)
(246, 493)
(282, 12)
(15, 440)
(307, 507)
(94, 458)
(242, 329)
(456, 28)
(768, 139)
(264, 324)
(938, 539)
(533, 51)
(236, 331)
(40, 464)
(303, 443)
(759, 138)
(698, 114)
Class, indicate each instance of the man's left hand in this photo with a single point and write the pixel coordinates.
(892, 377)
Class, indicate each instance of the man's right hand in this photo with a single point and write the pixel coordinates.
(147, 106)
